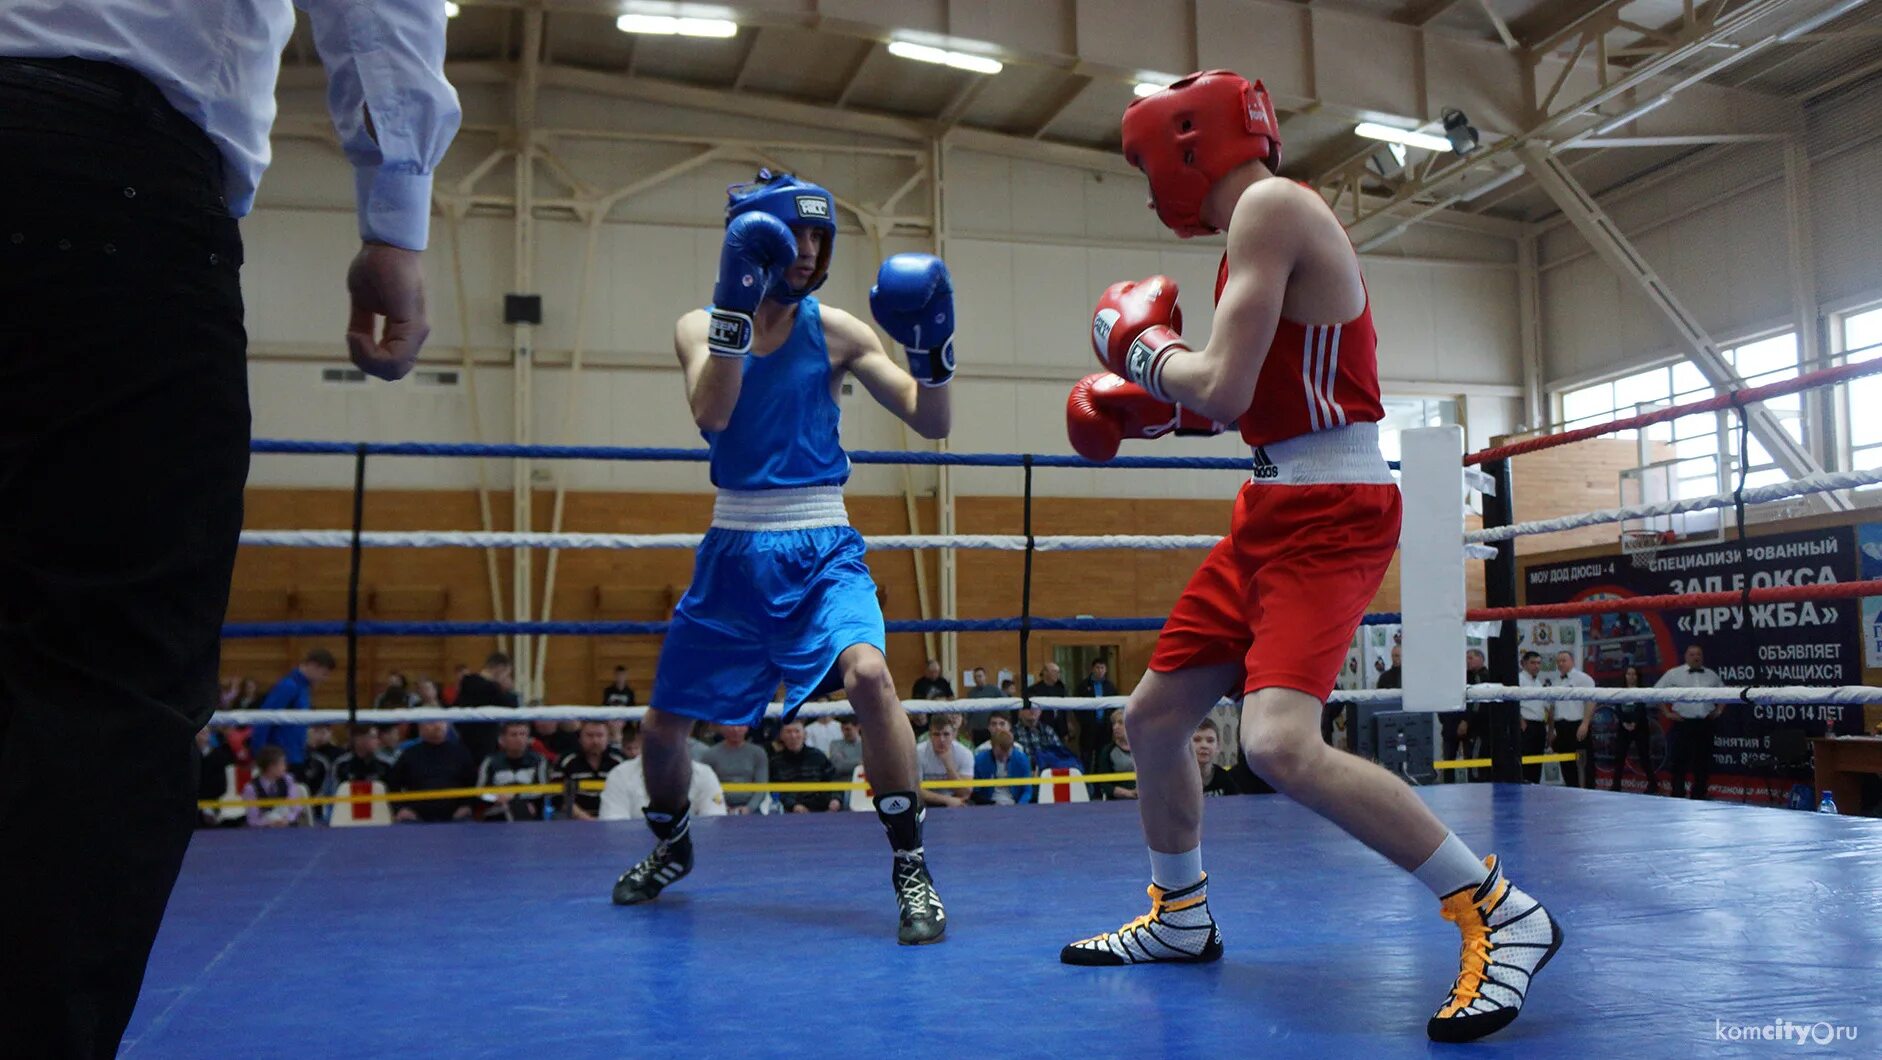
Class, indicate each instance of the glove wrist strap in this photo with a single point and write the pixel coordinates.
(729, 334)
(1149, 353)
(939, 365)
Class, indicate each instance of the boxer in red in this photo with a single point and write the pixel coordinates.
(1269, 614)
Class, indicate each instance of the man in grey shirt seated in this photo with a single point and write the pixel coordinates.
(1692, 723)
(735, 760)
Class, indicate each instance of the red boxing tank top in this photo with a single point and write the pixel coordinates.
(1317, 377)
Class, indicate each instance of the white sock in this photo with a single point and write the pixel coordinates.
(1451, 868)
(1173, 872)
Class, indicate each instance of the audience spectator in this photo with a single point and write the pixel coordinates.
(1098, 681)
(271, 781)
(364, 760)
(736, 761)
(822, 732)
(394, 739)
(701, 741)
(846, 752)
(983, 687)
(485, 688)
(931, 685)
(1533, 729)
(213, 780)
(515, 763)
(617, 731)
(448, 694)
(1392, 676)
(594, 760)
(629, 743)
(1051, 682)
(434, 763)
(1206, 741)
(618, 693)
(798, 762)
(1572, 718)
(624, 796)
(249, 698)
(293, 692)
(321, 751)
(1002, 758)
(542, 740)
(942, 758)
(1043, 747)
(429, 694)
(396, 695)
(1115, 757)
(1457, 728)
(1227, 716)
(1632, 732)
(1692, 723)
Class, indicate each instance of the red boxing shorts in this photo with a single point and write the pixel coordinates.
(1283, 593)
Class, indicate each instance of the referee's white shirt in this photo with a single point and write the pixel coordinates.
(1684, 676)
(1571, 709)
(1536, 710)
(216, 62)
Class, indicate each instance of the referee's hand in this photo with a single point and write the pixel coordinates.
(386, 282)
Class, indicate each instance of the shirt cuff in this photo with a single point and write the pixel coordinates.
(394, 206)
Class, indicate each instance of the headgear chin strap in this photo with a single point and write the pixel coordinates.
(1191, 134)
(795, 202)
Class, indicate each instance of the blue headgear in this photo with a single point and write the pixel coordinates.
(795, 202)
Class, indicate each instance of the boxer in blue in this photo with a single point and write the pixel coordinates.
(780, 592)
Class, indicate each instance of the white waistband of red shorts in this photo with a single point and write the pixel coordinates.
(800, 508)
(1346, 455)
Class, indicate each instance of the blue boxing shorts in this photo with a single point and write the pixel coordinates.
(767, 606)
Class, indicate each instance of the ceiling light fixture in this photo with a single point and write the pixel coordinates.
(451, 10)
(1372, 130)
(669, 26)
(979, 64)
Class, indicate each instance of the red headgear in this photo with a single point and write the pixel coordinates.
(1189, 135)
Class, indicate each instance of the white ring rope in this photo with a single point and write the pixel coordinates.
(1777, 491)
(1842, 695)
(509, 539)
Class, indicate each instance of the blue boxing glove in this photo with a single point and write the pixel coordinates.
(758, 249)
(913, 300)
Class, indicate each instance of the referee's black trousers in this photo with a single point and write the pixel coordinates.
(123, 451)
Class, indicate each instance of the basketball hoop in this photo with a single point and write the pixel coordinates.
(1646, 542)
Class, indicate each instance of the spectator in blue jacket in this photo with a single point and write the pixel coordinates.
(293, 692)
(1001, 757)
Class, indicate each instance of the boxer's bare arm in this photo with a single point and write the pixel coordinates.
(712, 383)
(1268, 233)
(856, 347)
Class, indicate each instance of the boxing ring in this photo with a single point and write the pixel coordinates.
(466, 941)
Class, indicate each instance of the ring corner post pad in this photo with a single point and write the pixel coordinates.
(1431, 568)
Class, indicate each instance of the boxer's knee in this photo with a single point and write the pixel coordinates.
(866, 678)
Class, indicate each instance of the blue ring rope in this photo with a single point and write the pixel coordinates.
(642, 453)
(252, 630)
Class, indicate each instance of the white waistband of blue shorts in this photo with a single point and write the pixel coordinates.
(800, 508)
(1347, 454)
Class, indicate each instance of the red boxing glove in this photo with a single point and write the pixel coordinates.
(1104, 409)
(1135, 329)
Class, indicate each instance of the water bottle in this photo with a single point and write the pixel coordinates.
(1827, 804)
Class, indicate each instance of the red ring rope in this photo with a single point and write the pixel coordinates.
(1677, 601)
(1806, 381)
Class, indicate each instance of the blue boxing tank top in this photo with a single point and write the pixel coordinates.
(783, 431)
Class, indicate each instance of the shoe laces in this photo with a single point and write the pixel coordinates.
(1475, 955)
(914, 888)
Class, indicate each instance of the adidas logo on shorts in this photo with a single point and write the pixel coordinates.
(1265, 468)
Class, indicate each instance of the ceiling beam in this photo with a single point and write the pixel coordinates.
(1055, 108)
(1427, 12)
(744, 62)
(748, 104)
(951, 114)
(855, 76)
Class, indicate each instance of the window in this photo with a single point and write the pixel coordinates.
(1862, 341)
(1705, 445)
